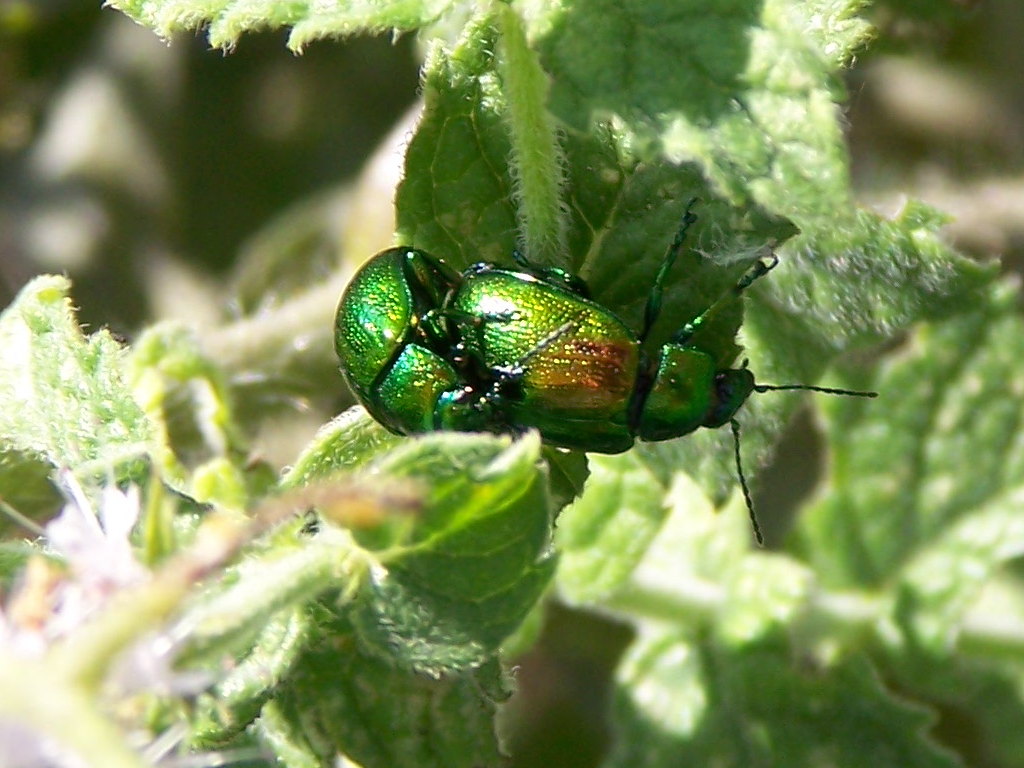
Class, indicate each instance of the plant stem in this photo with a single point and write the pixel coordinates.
(697, 601)
(689, 600)
(536, 162)
(300, 325)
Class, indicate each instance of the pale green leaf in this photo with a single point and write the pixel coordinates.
(606, 532)
(65, 399)
(228, 20)
(940, 443)
(681, 701)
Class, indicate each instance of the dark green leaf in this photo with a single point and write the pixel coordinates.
(341, 700)
(455, 200)
(567, 475)
(474, 564)
(25, 484)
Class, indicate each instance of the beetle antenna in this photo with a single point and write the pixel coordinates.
(810, 388)
(743, 482)
(736, 437)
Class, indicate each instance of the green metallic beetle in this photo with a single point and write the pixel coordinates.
(570, 368)
(504, 350)
(425, 348)
(392, 340)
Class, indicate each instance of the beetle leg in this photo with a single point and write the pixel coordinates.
(434, 331)
(653, 307)
(466, 409)
(761, 268)
(735, 426)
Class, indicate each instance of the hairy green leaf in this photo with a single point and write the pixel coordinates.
(937, 445)
(442, 590)
(227, 20)
(348, 441)
(238, 698)
(340, 699)
(65, 400)
(747, 87)
(446, 594)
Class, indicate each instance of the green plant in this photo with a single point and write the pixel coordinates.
(377, 628)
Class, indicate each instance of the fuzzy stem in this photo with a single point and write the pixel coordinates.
(303, 321)
(536, 161)
(697, 600)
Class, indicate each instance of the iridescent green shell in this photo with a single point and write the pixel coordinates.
(578, 361)
(384, 339)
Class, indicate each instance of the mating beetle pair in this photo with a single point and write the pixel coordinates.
(425, 348)
(492, 349)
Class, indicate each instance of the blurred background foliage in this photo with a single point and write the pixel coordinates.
(174, 181)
